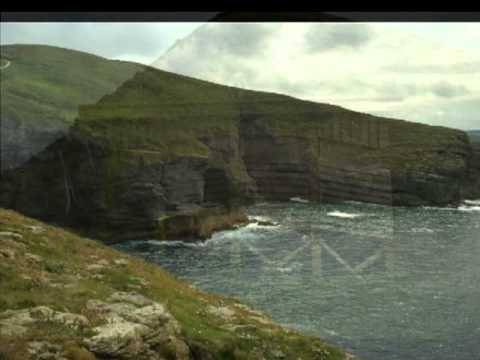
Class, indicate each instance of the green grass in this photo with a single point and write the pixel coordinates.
(44, 85)
(64, 258)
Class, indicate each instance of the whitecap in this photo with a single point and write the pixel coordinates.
(259, 218)
(299, 199)
(177, 243)
(422, 230)
(468, 205)
(439, 208)
(343, 215)
(469, 208)
(244, 233)
(284, 269)
(254, 225)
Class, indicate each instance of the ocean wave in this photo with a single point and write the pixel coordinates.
(422, 230)
(259, 218)
(299, 200)
(255, 225)
(178, 243)
(247, 232)
(439, 208)
(344, 215)
(468, 208)
(468, 205)
(288, 269)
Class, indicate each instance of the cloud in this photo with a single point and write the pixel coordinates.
(137, 41)
(234, 39)
(447, 90)
(460, 113)
(404, 91)
(218, 51)
(471, 67)
(225, 38)
(321, 37)
(393, 92)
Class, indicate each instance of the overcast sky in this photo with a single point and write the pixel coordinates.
(425, 72)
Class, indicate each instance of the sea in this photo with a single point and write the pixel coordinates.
(384, 283)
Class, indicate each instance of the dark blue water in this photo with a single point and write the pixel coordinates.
(384, 283)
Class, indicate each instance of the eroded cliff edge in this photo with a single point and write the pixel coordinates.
(168, 156)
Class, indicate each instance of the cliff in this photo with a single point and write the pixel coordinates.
(167, 156)
(67, 297)
(473, 190)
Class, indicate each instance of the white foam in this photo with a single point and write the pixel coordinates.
(439, 208)
(284, 269)
(469, 208)
(299, 199)
(343, 215)
(243, 233)
(259, 218)
(177, 243)
(254, 225)
(423, 230)
(468, 205)
(288, 269)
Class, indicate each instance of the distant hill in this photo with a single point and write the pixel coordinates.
(42, 88)
(474, 135)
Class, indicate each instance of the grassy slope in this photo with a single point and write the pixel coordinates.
(157, 111)
(168, 114)
(162, 114)
(44, 85)
(64, 258)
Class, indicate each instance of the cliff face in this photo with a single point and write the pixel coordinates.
(167, 156)
(472, 191)
(120, 195)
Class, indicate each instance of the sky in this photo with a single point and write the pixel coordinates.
(424, 72)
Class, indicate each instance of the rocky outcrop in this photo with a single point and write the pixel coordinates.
(130, 326)
(134, 327)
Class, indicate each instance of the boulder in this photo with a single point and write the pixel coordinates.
(134, 327)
